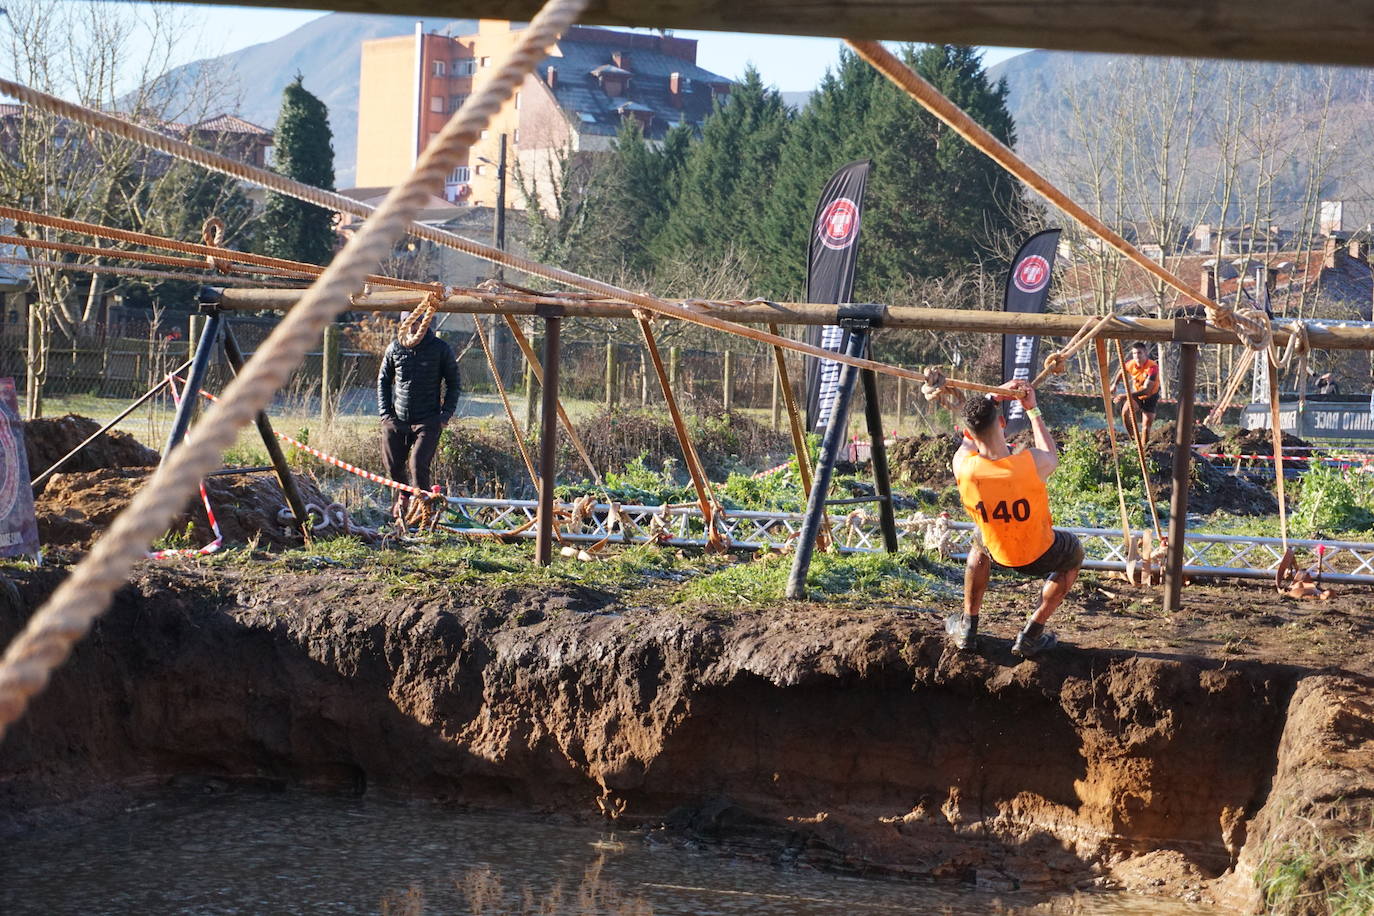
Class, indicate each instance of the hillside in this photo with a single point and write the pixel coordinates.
(1311, 123)
(326, 51)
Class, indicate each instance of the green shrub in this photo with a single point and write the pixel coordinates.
(1332, 501)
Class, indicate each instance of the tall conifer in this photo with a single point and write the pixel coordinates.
(302, 149)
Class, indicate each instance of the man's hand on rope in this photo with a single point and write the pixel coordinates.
(1019, 390)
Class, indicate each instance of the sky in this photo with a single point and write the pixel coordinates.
(789, 63)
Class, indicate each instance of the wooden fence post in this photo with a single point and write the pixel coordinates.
(329, 373)
(901, 406)
(777, 406)
(727, 397)
(674, 366)
(610, 374)
(193, 324)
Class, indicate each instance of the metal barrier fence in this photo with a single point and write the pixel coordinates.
(1229, 556)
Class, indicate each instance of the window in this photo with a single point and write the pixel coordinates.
(459, 175)
(587, 118)
(456, 101)
(481, 170)
(517, 100)
(515, 135)
(486, 62)
(436, 104)
(485, 134)
(464, 67)
(440, 68)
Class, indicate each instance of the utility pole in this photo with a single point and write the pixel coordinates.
(498, 228)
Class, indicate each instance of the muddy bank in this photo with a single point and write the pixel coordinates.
(47, 440)
(848, 739)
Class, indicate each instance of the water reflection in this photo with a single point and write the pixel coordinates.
(247, 853)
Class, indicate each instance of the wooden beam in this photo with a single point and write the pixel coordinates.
(1321, 336)
(1325, 31)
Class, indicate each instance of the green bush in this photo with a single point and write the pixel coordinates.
(1332, 501)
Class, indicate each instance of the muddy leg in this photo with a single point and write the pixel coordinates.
(1055, 590)
(976, 573)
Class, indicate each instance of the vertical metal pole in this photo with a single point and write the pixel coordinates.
(499, 222)
(195, 378)
(831, 446)
(1191, 332)
(234, 356)
(882, 482)
(548, 440)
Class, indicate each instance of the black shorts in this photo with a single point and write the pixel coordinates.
(1065, 553)
(1148, 404)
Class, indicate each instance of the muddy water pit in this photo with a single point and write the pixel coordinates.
(848, 740)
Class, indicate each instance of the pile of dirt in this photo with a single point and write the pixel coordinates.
(1256, 442)
(1162, 435)
(923, 460)
(1211, 489)
(46, 440)
(75, 508)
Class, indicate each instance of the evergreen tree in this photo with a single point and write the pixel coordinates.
(642, 189)
(935, 202)
(303, 150)
(828, 133)
(725, 176)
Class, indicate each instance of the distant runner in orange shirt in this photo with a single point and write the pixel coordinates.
(1004, 493)
(1142, 388)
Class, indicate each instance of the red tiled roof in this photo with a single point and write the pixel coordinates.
(231, 124)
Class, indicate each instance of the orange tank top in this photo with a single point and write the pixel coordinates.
(1007, 501)
(1144, 376)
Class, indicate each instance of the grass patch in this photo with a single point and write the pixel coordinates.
(844, 576)
(1325, 875)
(444, 563)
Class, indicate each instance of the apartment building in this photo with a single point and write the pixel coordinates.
(576, 100)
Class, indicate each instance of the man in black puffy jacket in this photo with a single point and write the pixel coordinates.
(417, 394)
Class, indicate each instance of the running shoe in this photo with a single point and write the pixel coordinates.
(1029, 647)
(960, 631)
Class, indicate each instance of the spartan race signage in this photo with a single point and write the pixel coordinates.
(1028, 288)
(833, 252)
(18, 529)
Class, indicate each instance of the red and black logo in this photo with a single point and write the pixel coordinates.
(1032, 274)
(839, 224)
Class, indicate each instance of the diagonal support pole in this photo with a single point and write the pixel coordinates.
(825, 467)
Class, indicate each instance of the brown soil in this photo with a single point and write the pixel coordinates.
(47, 440)
(844, 736)
(1255, 442)
(76, 508)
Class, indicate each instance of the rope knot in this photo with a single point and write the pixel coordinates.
(415, 326)
(212, 232)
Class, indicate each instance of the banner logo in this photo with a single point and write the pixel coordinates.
(839, 224)
(1032, 274)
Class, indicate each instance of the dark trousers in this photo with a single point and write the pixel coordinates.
(408, 449)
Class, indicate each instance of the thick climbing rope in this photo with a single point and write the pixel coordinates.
(1103, 372)
(337, 202)
(413, 327)
(210, 253)
(1058, 361)
(64, 619)
(1276, 432)
(710, 508)
(115, 270)
(930, 98)
(505, 401)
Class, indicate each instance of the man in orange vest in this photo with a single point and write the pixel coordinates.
(1142, 388)
(1004, 493)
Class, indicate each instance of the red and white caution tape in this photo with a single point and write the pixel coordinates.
(205, 500)
(340, 463)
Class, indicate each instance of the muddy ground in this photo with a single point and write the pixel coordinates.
(1168, 756)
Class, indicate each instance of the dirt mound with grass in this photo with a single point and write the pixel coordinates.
(725, 442)
(76, 508)
(923, 460)
(1256, 442)
(1211, 488)
(48, 439)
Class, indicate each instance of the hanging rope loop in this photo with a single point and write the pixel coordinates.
(415, 326)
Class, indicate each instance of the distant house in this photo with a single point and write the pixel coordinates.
(575, 101)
